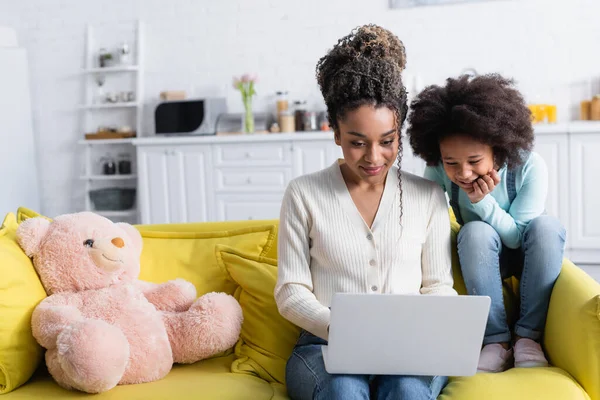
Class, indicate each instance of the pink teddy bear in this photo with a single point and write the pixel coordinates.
(102, 326)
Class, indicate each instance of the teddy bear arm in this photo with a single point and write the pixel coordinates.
(51, 317)
(175, 295)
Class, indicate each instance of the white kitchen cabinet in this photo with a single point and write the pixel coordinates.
(248, 154)
(173, 183)
(218, 178)
(251, 179)
(554, 149)
(249, 206)
(311, 156)
(585, 195)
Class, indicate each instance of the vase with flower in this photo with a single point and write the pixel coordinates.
(245, 84)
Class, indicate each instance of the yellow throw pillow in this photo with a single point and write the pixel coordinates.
(191, 255)
(267, 339)
(20, 292)
(24, 213)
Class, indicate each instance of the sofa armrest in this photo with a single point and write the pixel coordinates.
(572, 335)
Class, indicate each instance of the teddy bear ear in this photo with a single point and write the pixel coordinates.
(133, 234)
(30, 234)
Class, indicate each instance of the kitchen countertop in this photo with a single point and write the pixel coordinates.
(540, 129)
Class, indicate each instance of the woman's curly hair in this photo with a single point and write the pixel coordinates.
(487, 108)
(364, 68)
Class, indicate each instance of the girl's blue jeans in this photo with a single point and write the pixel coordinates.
(486, 262)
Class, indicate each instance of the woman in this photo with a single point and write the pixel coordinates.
(360, 225)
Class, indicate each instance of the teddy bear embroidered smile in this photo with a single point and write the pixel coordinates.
(100, 325)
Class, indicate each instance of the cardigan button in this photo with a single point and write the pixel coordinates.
(370, 237)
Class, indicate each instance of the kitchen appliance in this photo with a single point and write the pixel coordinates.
(189, 117)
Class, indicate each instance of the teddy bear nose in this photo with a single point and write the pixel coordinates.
(118, 242)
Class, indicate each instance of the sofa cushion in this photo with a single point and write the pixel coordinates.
(24, 213)
(516, 384)
(209, 379)
(267, 339)
(20, 292)
(191, 255)
(199, 227)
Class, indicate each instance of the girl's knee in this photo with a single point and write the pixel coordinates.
(545, 229)
(476, 233)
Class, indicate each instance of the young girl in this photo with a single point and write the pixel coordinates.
(360, 225)
(476, 137)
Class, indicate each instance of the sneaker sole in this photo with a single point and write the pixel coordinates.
(531, 364)
(503, 368)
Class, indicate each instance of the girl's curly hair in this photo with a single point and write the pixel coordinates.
(364, 68)
(487, 108)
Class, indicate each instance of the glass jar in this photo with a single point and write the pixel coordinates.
(324, 122)
(310, 121)
(299, 110)
(282, 102)
(124, 54)
(287, 122)
(124, 164)
(109, 167)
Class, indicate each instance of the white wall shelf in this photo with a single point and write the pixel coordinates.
(116, 214)
(109, 105)
(108, 70)
(92, 114)
(104, 141)
(115, 177)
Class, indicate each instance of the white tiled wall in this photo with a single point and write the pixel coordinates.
(549, 46)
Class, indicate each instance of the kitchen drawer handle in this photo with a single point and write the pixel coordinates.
(248, 155)
(249, 180)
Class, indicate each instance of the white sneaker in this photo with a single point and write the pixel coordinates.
(494, 358)
(529, 354)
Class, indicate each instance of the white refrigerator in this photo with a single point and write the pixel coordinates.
(19, 185)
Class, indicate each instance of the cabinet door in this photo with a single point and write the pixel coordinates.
(173, 184)
(189, 179)
(238, 207)
(585, 191)
(313, 156)
(554, 149)
(153, 180)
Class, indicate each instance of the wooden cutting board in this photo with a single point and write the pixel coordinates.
(109, 135)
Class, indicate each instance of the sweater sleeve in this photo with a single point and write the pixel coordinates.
(528, 204)
(294, 289)
(436, 258)
(433, 174)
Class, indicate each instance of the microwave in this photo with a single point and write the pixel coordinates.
(189, 117)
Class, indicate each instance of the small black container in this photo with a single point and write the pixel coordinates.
(109, 167)
(125, 167)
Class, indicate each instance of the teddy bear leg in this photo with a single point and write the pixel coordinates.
(57, 372)
(90, 356)
(211, 325)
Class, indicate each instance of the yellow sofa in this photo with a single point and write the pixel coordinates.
(240, 258)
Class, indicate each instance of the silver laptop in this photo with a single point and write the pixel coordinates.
(388, 334)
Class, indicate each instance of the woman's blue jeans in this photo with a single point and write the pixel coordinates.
(307, 379)
(486, 262)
